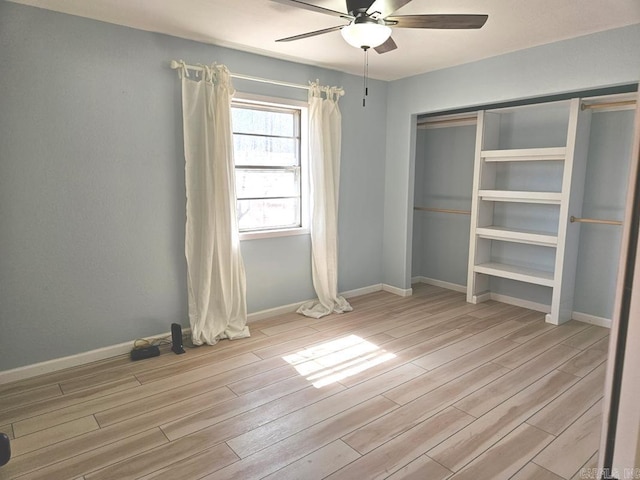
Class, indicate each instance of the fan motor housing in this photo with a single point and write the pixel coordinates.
(358, 6)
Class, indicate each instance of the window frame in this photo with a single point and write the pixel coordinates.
(266, 101)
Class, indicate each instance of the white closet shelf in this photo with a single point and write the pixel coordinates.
(530, 237)
(524, 154)
(522, 274)
(551, 198)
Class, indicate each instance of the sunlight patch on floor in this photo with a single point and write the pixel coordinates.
(337, 359)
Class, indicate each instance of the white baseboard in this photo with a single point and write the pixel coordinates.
(82, 358)
(591, 319)
(362, 291)
(440, 283)
(292, 307)
(541, 307)
(402, 292)
(272, 312)
(519, 302)
(56, 364)
(483, 297)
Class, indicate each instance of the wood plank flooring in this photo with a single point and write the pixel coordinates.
(424, 387)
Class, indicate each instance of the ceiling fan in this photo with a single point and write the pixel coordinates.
(370, 22)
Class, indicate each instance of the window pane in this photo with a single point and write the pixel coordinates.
(255, 183)
(250, 150)
(264, 122)
(268, 213)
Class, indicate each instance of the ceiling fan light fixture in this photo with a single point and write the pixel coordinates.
(365, 34)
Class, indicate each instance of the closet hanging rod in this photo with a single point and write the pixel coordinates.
(594, 220)
(622, 103)
(443, 210)
(175, 65)
(446, 121)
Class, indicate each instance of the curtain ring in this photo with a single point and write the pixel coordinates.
(184, 71)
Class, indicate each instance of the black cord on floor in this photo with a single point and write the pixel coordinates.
(158, 342)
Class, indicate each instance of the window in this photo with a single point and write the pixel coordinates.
(270, 167)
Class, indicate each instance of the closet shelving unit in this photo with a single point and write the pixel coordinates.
(496, 158)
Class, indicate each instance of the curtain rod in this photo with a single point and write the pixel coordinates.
(175, 65)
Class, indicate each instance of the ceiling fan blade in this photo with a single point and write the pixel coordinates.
(386, 46)
(313, 8)
(311, 34)
(386, 7)
(437, 21)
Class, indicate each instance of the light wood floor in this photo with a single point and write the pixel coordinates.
(425, 387)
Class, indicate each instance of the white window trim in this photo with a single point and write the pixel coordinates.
(304, 166)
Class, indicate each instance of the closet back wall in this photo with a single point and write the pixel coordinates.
(605, 191)
(443, 179)
(92, 199)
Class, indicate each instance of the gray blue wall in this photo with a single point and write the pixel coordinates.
(92, 196)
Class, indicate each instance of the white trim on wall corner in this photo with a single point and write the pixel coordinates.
(541, 307)
(292, 307)
(362, 291)
(440, 283)
(272, 312)
(402, 292)
(591, 319)
(519, 302)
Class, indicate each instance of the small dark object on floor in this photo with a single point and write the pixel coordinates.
(5, 449)
(145, 352)
(176, 338)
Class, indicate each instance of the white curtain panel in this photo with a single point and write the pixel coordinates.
(325, 136)
(215, 271)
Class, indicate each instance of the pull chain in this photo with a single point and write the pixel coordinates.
(365, 75)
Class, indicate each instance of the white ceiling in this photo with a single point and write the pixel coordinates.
(253, 25)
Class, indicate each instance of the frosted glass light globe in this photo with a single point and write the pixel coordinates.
(361, 35)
